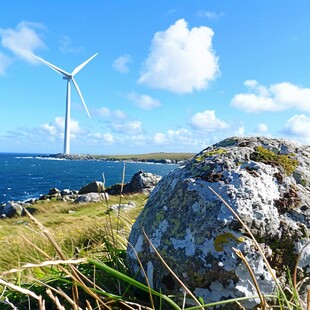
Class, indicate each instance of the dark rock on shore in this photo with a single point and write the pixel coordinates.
(93, 187)
(92, 192)
(140, 182)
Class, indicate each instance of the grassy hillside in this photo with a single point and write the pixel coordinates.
(155, 156)
(74, 226)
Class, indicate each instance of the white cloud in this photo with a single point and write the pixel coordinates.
(119, 114)
(114, 114)
(104, 112)
(108, 138)
(49, 129)
(207, 121)
(181, 59)
(121, 63)
(56, 128)
(138, 139)
(23, 38)
(130, 127)
(261, 128)
(143, 101)
(159, 138)
(175, 137)
(65, 45)
(4, 63)
(239, 131)
(277, 97)
(298, 127)
(210, 14)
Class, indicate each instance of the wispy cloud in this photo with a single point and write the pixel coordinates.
(129, 127)
(121, 63)
(98, 138)
(210, 14)
(66, 46)
(4, 63)
(181, 60)
(144, 102)
(277, 97)
(105, 112)
(27, 36)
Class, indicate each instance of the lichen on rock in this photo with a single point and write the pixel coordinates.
(266, 181)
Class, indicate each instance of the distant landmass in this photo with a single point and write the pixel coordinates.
(161, 157)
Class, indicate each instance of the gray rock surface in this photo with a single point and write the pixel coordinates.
(140, 182)
(91, 197)
(11, 208)
(266, 181)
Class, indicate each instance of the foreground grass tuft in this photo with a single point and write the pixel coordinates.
(76, 260)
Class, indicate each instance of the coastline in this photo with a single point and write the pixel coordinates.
(157, 158)
(28, 176)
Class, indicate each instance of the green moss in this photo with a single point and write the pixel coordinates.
(267, 156)
(210, 153)
(159, 217)
(224, 238)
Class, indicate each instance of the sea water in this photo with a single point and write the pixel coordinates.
(25, 176)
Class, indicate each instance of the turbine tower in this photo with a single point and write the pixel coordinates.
(69, 77)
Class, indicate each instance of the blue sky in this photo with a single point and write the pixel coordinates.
(170, 76)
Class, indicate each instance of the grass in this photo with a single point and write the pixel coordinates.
(76, 260)
(83, 229)
(151, 156)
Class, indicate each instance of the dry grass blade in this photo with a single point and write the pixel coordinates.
(171, 271)
(75, 294)
(72, 302)
(75, 274)
(145, 276)
(261, 297)
(88, 305)
(55, 300)
(44, 264)
(19, 289)
(46, 234)
(41, 303)
(296, 266)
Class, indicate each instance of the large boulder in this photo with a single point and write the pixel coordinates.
(93, 187)
(143, 181)
(91, 197)
(266, 181)
(11, 208)
(140, 182)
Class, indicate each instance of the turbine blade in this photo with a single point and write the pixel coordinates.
(80, 94)
(78, 68)
(58, 70)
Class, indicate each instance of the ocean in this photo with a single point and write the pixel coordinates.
(25, 176)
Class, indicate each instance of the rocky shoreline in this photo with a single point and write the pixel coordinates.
(141, 182)
(112, 158)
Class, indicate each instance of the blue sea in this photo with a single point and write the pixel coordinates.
(25, 176)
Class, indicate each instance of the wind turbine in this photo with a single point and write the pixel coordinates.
(69, 77)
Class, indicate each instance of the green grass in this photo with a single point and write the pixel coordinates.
(79, 261)
(151, 156)
(83, 228)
